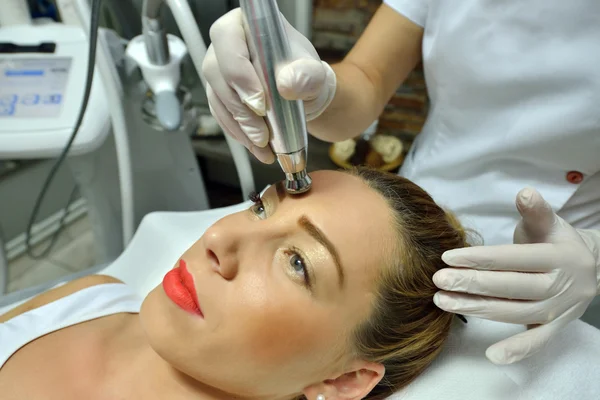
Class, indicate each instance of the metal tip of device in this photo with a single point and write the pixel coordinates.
(297, 183)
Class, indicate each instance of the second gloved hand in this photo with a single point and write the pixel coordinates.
(234, 90)
(545, 280)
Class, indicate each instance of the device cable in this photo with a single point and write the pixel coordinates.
(93, 38)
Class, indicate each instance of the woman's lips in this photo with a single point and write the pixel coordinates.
(179, 287)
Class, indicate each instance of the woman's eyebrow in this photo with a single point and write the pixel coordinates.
(316, 233)
(320, 237)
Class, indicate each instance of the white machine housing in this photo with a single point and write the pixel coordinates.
(39, 125)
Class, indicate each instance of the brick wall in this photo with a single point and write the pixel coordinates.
(337, 25)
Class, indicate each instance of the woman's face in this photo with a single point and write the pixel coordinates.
(280, 286)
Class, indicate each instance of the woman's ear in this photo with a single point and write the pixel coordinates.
(353, 385)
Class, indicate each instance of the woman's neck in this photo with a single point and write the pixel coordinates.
(134, 370)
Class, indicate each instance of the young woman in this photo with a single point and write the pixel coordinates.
(323, 296)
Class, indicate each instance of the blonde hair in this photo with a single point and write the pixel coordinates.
(406, 330)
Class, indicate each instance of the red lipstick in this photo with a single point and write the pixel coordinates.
(178, 284)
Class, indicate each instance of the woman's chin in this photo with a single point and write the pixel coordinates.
(165, 329)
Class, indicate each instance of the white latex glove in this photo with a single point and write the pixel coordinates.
(545, 280)
(235, 93)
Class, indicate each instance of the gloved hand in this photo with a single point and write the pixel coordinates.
(545, 280)
(235, 93)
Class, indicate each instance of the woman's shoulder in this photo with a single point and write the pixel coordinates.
(58, 293)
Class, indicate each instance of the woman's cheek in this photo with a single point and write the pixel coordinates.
(276, 331)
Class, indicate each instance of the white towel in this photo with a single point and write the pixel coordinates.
(567, 369)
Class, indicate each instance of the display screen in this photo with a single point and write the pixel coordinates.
(33, 87)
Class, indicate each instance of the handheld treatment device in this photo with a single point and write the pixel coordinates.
(269, 51)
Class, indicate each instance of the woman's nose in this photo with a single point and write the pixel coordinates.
(222, 247)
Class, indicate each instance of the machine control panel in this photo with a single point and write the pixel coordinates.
(33, 87)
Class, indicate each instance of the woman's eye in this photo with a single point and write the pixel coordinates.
(259, 207)
(299, 266)
(259, 210)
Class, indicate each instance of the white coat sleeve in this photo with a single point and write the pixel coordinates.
(415, 10)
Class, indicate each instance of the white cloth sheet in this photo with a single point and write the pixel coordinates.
(568, 369)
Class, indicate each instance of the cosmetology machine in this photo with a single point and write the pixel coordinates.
(125, 134)
(124, 167)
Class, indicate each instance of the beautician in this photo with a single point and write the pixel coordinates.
(515, 105)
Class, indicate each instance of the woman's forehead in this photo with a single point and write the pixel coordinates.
(337, 189)
(355, 218)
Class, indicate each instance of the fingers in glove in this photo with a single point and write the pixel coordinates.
(521, 236)
(538, 218)
(500, 284)
(502, 310)
(525, 344)
(254, 126)
(315, 84)
(538, 257)
(223, 116)
(231, 127)
(231, 51)
(302, 79)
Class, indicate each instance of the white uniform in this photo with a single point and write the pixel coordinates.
(515, 102)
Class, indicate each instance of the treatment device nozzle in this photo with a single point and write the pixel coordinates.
(298, 183)
(269, 51)
(297, 180)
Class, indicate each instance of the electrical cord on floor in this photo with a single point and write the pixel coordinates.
(93, 38)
